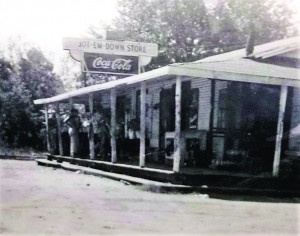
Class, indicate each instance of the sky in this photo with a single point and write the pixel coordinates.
(43, 23)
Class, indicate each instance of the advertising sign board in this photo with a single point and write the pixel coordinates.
(111, 47)
(110, 64)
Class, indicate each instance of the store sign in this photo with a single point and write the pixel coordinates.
(111, 47)
(110, 64)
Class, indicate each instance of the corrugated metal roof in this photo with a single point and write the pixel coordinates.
(260, 51)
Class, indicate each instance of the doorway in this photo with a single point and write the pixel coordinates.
(167, 114)
(251, 123)
(120, 126)
(167, 110)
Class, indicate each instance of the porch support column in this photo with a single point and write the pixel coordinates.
(177, 148)
(113, 126)
(60, 145)
(282, 105)
(143, 125)
(91, 128)
(47, 128)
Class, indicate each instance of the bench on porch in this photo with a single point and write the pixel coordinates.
(239, 160)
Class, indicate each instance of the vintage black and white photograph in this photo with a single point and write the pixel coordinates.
(149, 117)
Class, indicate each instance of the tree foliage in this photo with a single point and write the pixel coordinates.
(28, 78)
(70, 73)
(271, 18)
(36, 74)
(186, 30)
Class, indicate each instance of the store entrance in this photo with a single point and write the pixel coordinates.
(251, 122)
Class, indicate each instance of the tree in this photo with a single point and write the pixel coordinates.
(180, 28)
(271, 18)
(70, 73)
(13, 105)
(21, 82)
(186, 30)
(37, 74)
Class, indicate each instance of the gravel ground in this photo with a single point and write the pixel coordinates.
(42, 201)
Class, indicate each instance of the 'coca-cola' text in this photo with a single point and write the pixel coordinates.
(117, 64)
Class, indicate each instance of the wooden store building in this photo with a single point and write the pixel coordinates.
(230, 110)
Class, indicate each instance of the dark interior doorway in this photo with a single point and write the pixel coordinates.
(120, 126)
(251, 122)
(167, 110)
(167, 114)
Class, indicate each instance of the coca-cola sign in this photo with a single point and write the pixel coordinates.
(110, 64)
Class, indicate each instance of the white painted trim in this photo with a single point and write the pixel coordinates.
(222, 75)
(177, 146)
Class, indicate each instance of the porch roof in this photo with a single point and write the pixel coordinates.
(243, 70)
(157, 73)
(260, 51)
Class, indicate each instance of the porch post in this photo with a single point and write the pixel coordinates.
(91, 128)
(57, 116)
(143, 125)
(177, 148)
(113, 125)
(282, 105)
(47, 128)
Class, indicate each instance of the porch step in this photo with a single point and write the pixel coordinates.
(45, 162)
(150, 185)
(157, 186)
(153, 174)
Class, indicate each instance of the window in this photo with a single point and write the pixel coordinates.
(189, 106)
(193, 109)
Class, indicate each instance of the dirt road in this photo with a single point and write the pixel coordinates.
(39, 200)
